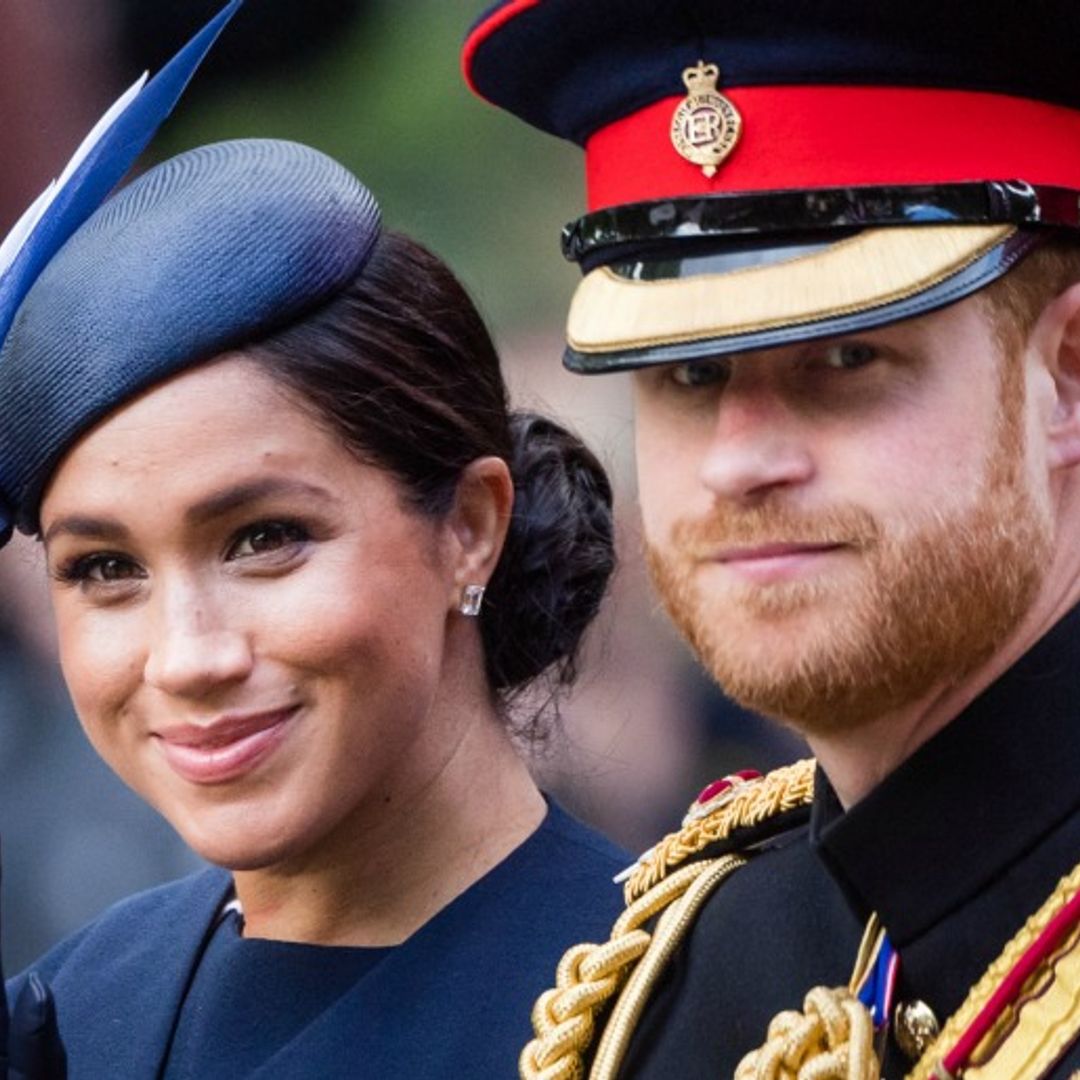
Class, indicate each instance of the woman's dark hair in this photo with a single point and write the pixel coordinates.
(402, 368)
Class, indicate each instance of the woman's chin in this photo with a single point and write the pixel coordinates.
(240, 847)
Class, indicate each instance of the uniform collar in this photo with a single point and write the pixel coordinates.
(970, 802)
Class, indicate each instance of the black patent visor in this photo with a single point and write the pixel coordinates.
(649, 229)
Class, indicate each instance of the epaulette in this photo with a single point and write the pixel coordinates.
(664, 890)
(736, 814)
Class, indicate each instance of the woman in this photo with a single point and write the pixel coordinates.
(301, 557)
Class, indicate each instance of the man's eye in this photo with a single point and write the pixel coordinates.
(847, 356)
(700, 373)
(267, 537)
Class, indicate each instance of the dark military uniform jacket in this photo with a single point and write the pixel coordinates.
(954, 850)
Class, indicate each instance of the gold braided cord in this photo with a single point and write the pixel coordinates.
(983, 990)
(588, 976)
(671, 928)
(750, 804)
(563, 1017)
(831, 1039)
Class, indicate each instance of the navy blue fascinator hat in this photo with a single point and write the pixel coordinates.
(210, 250)
(105, 155)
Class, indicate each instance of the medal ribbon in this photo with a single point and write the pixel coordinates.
(873, 980)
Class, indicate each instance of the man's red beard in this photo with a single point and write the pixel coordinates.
(915, 608)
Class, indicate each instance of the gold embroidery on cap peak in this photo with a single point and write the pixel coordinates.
(706, 126)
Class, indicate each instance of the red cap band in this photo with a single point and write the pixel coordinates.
(841, 136)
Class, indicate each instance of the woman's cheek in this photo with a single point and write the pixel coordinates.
(100, 662)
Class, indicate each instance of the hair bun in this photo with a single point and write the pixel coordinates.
(558, 557)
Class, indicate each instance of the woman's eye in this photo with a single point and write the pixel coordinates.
(847, 356)
(696, 373)
(101, 569)
(267, 537)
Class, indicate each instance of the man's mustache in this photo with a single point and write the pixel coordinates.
(703, 538)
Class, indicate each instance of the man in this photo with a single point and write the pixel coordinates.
(837, 246)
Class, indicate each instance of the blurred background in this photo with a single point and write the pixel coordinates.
(375, 83)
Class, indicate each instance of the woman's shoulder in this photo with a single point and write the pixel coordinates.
(166, 912)
(135, 960)
(559, 879)
(578, 844)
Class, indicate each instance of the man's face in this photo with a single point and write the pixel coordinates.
(839, 527)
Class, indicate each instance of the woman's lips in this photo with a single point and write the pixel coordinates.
(225, 749)
(774, 562)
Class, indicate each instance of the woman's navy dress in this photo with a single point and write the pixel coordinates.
(163, 985)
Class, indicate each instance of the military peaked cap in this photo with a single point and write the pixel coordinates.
(780, 170)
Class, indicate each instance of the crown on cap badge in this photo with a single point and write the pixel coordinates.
(706, 126)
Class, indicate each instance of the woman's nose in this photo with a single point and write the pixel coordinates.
(195, 651)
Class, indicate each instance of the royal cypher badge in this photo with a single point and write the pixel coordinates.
(706, 126)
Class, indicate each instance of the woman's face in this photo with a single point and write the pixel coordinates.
(251, 625)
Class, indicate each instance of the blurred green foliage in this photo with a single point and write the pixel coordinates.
(388, 100)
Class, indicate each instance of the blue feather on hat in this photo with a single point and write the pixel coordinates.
(99, 164)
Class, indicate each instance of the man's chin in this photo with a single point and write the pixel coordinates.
(811, 705)
(781, 666)
(781, 655)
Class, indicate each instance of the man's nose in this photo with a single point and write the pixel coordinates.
(195, 649)
(757, 446)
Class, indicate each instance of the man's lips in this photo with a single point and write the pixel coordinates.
(225, 748)
(764, 563)
(773, 551)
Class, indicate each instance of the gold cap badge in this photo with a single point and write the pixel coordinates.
(706, 126)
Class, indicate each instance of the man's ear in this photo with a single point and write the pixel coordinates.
(1057, 334)
(478, 521)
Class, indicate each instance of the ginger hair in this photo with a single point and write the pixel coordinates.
(1016, 301)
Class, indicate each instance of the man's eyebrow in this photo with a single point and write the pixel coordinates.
(239, 495)
(205, 510)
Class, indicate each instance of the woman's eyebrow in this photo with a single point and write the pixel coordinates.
(213, 506)
(240, 495)
(85, 526)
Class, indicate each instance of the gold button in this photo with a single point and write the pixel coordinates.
(915, 1027)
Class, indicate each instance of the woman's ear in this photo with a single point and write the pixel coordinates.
(478, 521)
(1058, 335)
